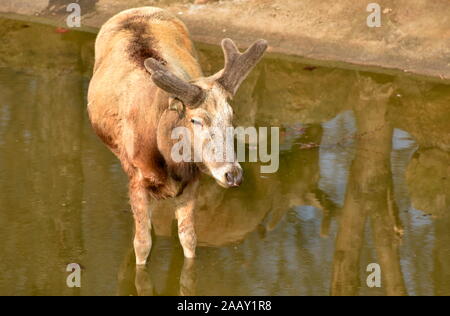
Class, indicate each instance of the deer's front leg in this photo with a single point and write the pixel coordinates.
(185, 216)
(140, 205)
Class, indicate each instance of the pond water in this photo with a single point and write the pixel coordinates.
(364, 178)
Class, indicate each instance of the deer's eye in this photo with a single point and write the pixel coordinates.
(196, 122)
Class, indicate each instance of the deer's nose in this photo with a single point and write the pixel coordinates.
(234, 177)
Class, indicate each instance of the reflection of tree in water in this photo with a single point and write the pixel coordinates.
(369, 196)
(42, 157)
(42, 168)
(428, 179)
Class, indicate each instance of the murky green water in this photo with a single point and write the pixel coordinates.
(364, 178)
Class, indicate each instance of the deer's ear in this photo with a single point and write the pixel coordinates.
(177, 106)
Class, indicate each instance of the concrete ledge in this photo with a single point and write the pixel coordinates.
(414, 37)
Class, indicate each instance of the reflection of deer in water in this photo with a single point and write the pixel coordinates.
(226, 217)
(142, 283)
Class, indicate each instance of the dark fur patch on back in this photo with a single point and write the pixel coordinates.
(142, 44)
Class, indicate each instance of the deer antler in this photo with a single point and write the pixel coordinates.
(238, 65)
(191, 95)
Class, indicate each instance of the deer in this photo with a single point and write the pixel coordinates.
(147, 81)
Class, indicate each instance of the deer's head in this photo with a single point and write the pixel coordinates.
(202, 107)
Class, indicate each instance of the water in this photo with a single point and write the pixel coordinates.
(364, 178)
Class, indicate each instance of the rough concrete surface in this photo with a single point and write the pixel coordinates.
(414, 36)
